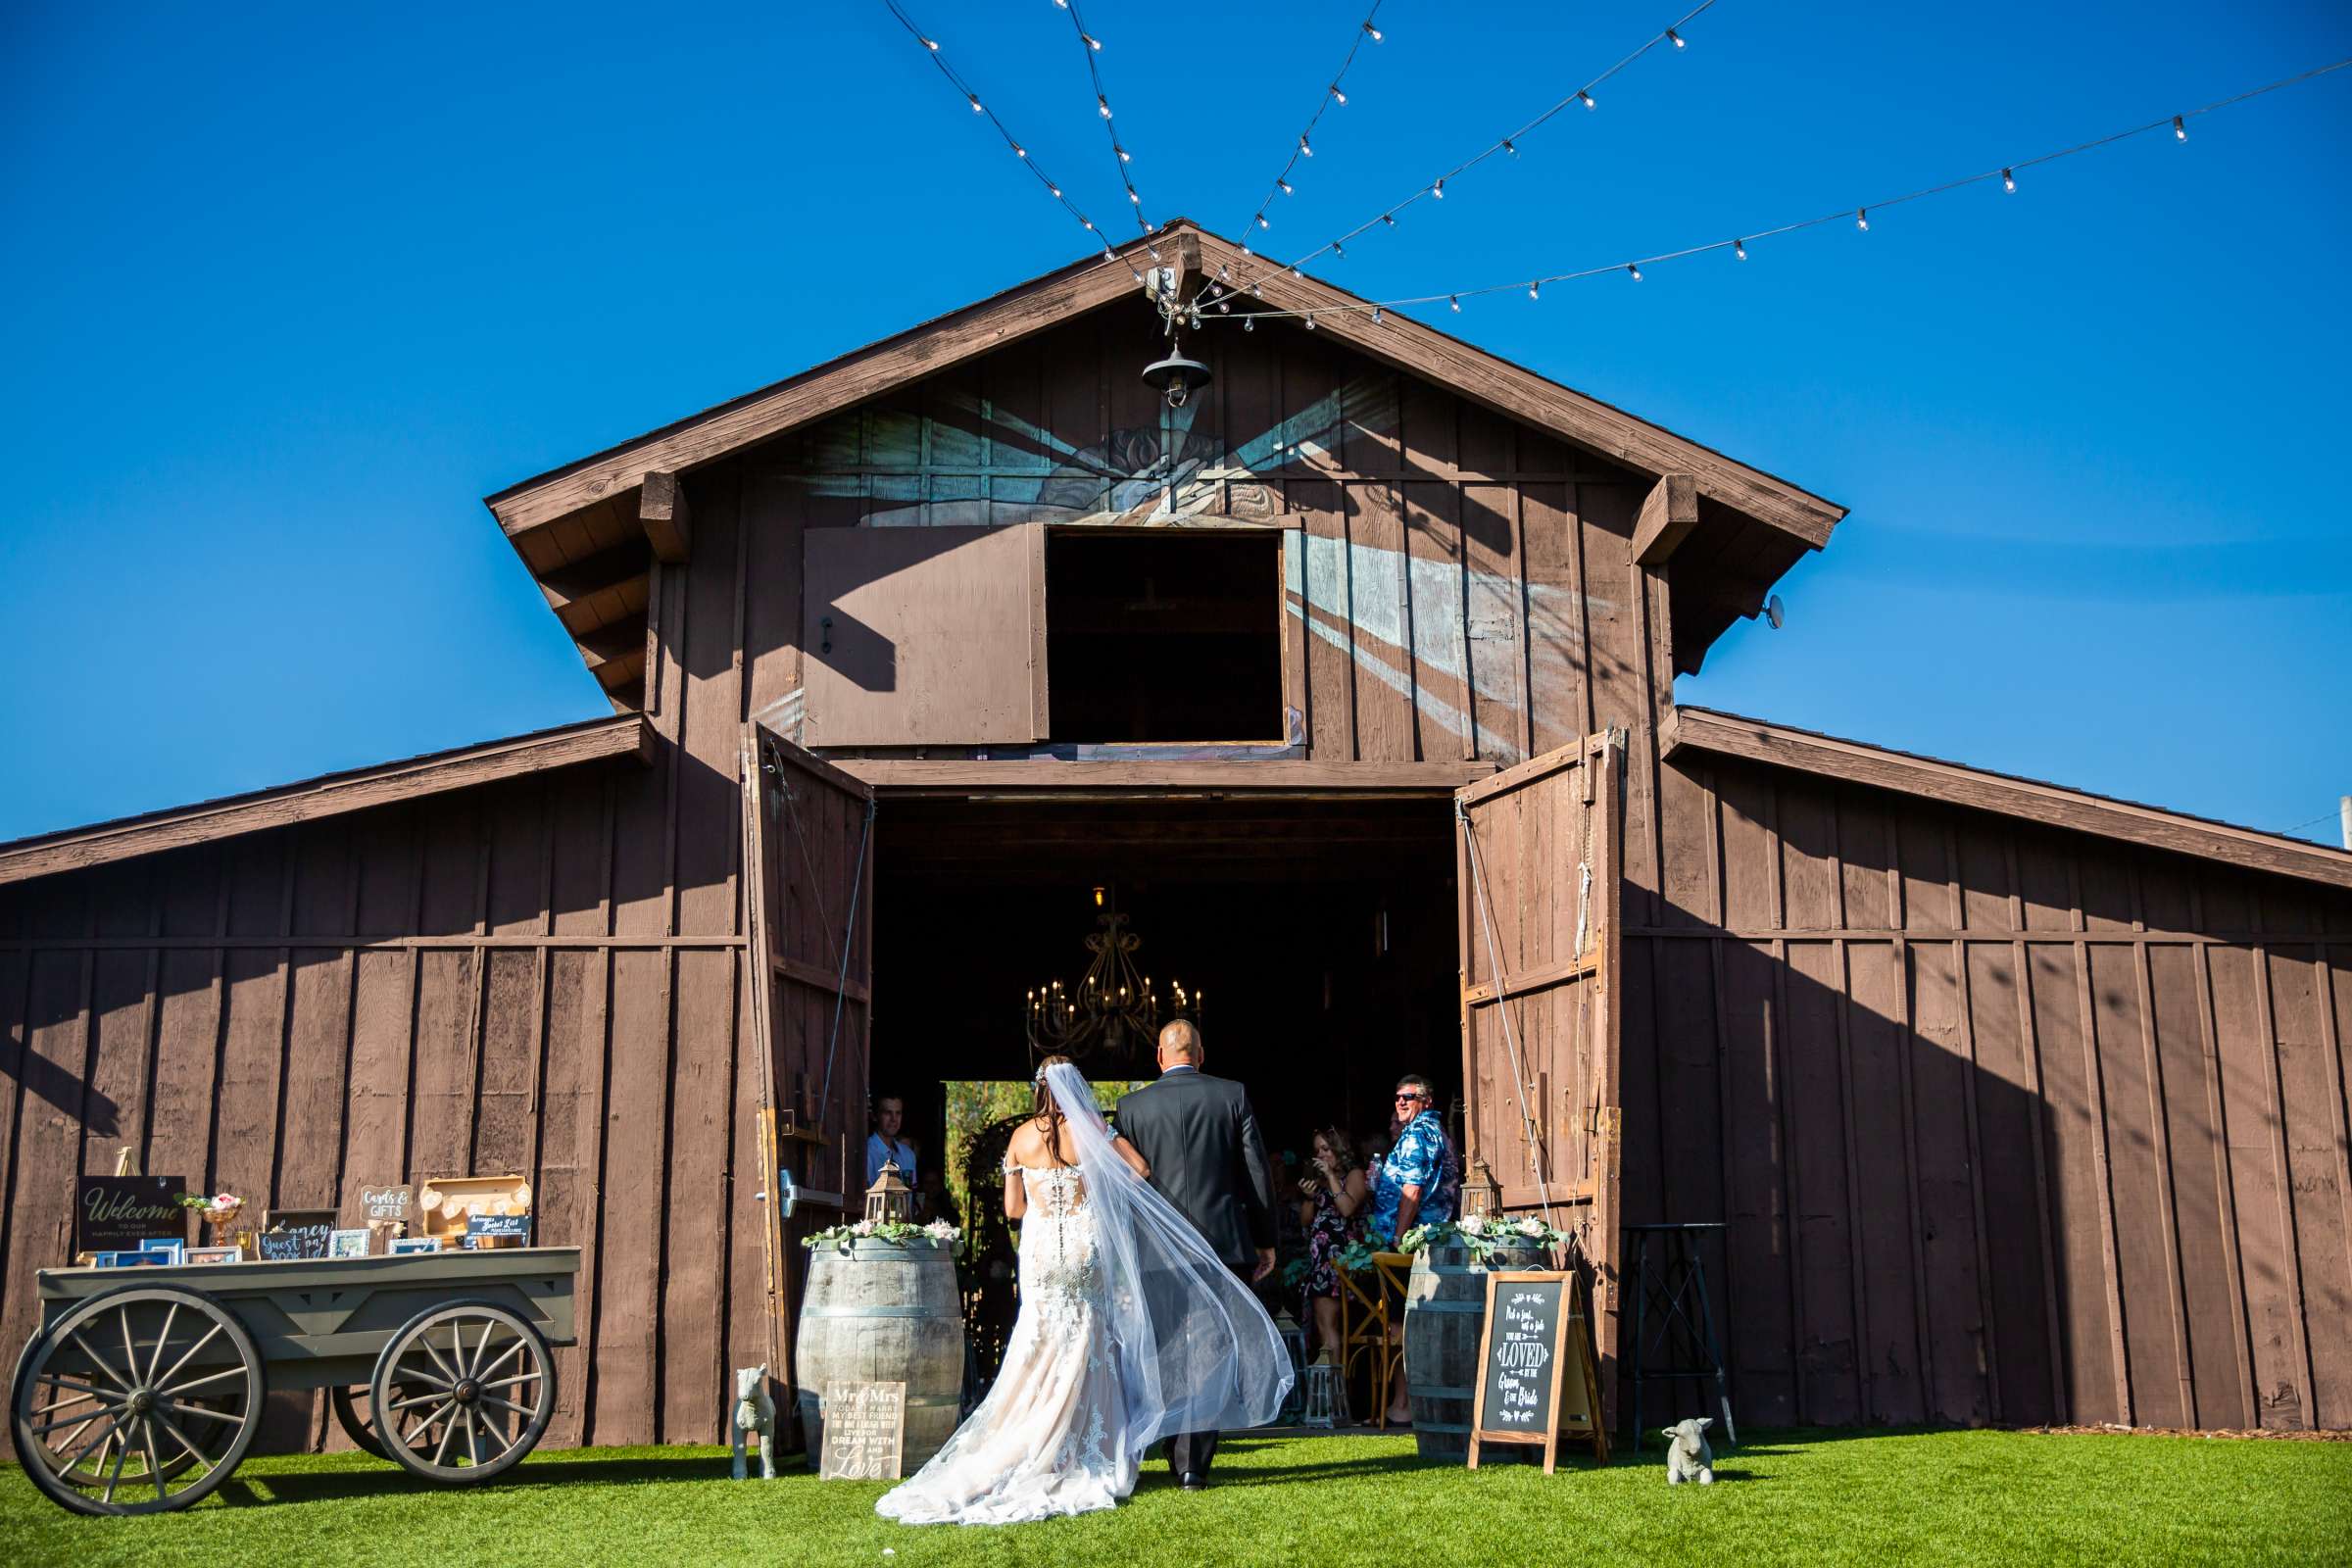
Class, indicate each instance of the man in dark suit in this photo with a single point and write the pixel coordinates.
(1200, 1138)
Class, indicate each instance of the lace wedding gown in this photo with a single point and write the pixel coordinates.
(1052, 1437)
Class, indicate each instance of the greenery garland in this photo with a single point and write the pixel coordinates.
(894, 1232)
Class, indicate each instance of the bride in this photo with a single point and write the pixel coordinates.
(1131, 1329)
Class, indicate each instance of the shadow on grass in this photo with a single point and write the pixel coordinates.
(387, 1480)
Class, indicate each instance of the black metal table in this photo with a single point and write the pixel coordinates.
(141, 1390)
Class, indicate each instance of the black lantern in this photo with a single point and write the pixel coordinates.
(1176, 377)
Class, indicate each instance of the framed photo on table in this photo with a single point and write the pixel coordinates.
(403, 1245)
(173, 1251)
(215, 1255)
(348, 1244)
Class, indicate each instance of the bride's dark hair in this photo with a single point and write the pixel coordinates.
(1043, 1111)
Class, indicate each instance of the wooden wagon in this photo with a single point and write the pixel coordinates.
(141, 1391)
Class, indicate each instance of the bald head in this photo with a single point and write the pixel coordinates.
(1180, 1046)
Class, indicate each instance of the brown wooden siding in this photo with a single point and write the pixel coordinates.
(2010, 1124)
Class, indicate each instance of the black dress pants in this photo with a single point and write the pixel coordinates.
(1193, 1452)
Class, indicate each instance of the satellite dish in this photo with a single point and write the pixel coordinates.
(1775, 612)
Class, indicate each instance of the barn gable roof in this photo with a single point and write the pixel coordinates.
(1700, 729)
(588, 529)
(329, 795)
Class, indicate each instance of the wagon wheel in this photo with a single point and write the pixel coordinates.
(355, 1414)
(129, 1394)
(463, 1393)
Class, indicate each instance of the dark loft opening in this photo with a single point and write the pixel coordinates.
(1168, 636)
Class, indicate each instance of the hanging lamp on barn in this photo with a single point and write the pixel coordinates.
(1176, 377)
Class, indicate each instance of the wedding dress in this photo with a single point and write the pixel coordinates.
(1130, 1330)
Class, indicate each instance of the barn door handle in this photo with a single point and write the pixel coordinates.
(824, 625)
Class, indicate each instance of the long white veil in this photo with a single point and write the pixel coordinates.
(1195, 1350)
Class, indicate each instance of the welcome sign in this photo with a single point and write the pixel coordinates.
(115, 1213)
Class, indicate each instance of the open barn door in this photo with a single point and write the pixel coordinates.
(1536, 850)
(808, 832)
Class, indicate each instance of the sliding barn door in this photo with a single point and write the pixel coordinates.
(1537, 849)
(810, 855)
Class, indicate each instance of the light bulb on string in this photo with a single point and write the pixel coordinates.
(1635, 267)
(1306, 150)
(1675, 38)
(1133, 197)
(1057, 190)
(1739, 249)
(1341, 96)
(1224, 270)
(1310, 321)
(1373, 31)
(931, 44)
(1339, 252)
(1390, 219)
(1092, 42)
(1261, 221)
(1585, 99)
(1125, 157)
(2008, 182)
(1224, 307)
(1511, 146)
(1437, 191)
(1103, 104)
(1258, 290)
(1862, 219)
(1533, 291)
(1284, 186)
(975, 98)
(1249, 323)
(1454, 299)
(1376, 315)
(2180, 129)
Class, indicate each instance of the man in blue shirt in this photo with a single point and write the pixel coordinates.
(888, 1142)
(1420, 1183)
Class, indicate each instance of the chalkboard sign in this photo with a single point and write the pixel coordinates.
(1536, 1377)
(864, 1432)
(115, 1213)
(386, 1206)
(294, 1233)
(517, 1225)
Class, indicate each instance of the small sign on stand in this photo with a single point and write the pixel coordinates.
(1536, 1383)
(295, 1233)
(866, 1431)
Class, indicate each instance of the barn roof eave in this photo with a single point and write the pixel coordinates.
(329, 795)
(1706, 730)
(1042, 302)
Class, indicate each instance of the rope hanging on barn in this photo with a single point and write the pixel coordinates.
(842, 946)
(1502, 1006)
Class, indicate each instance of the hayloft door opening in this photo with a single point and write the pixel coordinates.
(1537, 857)
(809, 830)
(1165, 634)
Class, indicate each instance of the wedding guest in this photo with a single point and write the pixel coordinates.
(1333, 1197)
(889, 1142)
(1420, 1183)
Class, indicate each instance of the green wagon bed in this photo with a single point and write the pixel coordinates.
(141, 1390)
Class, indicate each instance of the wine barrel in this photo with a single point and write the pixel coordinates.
(1445, 1308)
(875, 1313)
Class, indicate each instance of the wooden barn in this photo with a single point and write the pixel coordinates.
(1353, 676)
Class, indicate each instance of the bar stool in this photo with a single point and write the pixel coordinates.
(1364, 1333)
(1673, 1323)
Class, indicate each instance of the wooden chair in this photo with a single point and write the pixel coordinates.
(1372, 1324)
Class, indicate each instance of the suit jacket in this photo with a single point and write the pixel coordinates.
(1207, 1157)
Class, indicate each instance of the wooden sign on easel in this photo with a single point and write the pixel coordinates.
(1536, 1382)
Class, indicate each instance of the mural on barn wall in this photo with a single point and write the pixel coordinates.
(965, 460)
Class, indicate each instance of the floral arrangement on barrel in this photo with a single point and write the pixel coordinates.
(216, 1211)
(896, 1232)
(1485, 1235)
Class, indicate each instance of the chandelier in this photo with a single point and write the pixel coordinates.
(1114, 1007)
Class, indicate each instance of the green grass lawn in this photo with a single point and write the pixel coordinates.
(1795, 1496)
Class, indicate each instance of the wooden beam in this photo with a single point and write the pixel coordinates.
(661, 509)
(1048, 777)
(1700, 729)
(614, 654)
(1668, 514)
(594, 592)
(331, 795)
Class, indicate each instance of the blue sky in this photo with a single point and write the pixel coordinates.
(291, 288)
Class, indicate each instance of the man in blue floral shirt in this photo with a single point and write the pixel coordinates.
(1421, 1179)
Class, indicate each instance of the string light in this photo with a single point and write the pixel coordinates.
(1675, 38)
(2179, 131)
(2008, 182)
(1310, 321)
(1090, 46)
(1332, 93)
(1508, 146)
(933, 53)
(1860, 214)
(1376, 316)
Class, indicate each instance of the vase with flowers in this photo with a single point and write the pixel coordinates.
(217, 1212)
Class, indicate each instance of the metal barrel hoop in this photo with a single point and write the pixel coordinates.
(132, 1391)
(463, 1393)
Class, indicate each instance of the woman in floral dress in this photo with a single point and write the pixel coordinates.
(1332, 1210)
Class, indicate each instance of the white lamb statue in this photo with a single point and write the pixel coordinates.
(1688, 1457)
(755, 1411)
